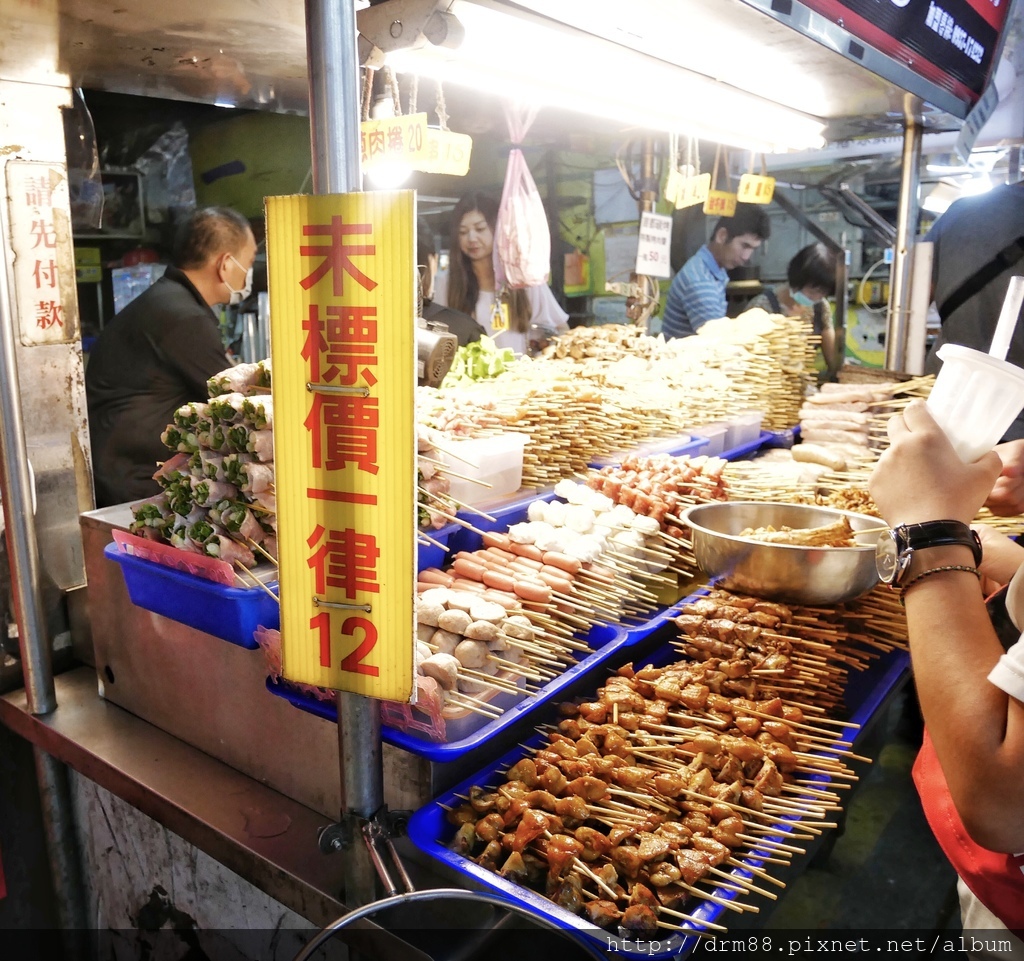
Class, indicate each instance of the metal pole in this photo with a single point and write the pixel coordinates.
(334, 133)
(36, 652)
(1013, 164)
(22, 546)
(906, 230)
(62, 850)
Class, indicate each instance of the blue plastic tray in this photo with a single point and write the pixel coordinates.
(430, 831)
(745, 450)
(605, 641)
(230, 613)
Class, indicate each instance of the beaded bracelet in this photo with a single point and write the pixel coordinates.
(937, 570)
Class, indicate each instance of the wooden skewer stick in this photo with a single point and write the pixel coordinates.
(688, 917)
(258, 582)
(427, 539)
(740, 884)
(452, 517)
(468, 507)
(500, 683)
(736, 906)
(770, 844)
(757, 872)
(442, 468)
(468, 703)
(256, 547)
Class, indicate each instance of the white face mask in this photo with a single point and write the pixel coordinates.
(237, 296)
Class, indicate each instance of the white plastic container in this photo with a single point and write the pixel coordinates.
(743, 428)
(715, 433)
(975, 399)
(497, 461)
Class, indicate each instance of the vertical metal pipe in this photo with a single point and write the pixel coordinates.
(334, 133)
(906, 229)
(62, 849)
(333, 96)
(22, 546)
(1013, 158)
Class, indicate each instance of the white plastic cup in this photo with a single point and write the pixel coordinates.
(975, 399)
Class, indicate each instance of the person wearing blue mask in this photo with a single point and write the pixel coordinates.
(810, 281)
(159, 351)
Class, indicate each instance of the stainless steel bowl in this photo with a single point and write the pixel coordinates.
(783, 572)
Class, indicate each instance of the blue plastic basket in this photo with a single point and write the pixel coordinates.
(430, 831)
(230, 613)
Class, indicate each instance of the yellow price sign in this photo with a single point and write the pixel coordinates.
(342, 307)
(446, 153)
(673, 182)
(693, 191)
(720, 203)
(755, 189)
(394, 140)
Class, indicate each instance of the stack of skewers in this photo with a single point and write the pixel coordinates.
(218, 494)
(603, 390)
(639, 801)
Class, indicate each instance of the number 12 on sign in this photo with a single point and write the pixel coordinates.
(350, 627)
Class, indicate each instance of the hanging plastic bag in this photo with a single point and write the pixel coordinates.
(522, 240)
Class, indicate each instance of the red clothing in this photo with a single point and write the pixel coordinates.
(997, 880)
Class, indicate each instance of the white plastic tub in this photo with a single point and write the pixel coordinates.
(496, 461)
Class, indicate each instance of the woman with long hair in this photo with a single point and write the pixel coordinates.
(507, 316)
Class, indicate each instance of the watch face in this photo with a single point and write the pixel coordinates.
(887, 557)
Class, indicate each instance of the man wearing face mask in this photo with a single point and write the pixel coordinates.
(158, 353)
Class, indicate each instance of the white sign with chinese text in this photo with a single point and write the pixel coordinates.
(44, 259)
(652, 251)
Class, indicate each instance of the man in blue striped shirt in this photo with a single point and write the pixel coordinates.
(697, 293)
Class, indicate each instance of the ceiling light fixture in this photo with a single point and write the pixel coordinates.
(537, 62)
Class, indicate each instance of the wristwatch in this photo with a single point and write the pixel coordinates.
(895, 548)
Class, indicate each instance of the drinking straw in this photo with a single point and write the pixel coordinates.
(1007, 318)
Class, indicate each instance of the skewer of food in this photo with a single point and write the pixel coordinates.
(636, 800)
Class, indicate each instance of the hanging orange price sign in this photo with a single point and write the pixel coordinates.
(720, 203)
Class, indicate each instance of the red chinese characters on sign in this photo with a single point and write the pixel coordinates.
(49, 314)
(38, 192)
(344, 431)
(339, 350)
(337, 254)
(344, 559)
(345, 341)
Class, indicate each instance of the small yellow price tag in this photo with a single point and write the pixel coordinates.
(446, 153)
(694, 190)
(393, 140)
(755, 189)
(720, 203)
(673, 183)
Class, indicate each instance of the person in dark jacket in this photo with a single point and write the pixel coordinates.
(158, 353)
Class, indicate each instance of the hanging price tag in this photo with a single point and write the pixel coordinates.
(446, 153)
(720, 203)
(693, 191)
(653, 246)
(673, 184)
(394, 140)
(755, 189)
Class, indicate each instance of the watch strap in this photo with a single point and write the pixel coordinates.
(942, 533)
